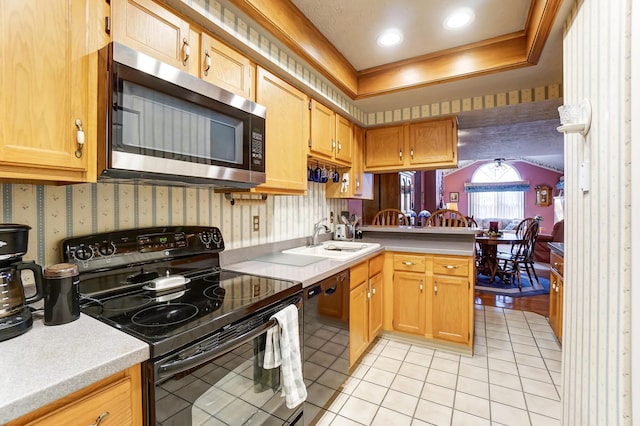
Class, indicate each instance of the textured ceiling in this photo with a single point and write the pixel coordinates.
(525, 131)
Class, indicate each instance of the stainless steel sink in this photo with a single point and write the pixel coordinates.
(339, 250)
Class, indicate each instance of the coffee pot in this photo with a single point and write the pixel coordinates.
(15, 315)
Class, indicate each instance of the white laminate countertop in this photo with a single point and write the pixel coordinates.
(49, 362)
(317, 271)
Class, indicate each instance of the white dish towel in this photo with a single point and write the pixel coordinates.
(282, 349)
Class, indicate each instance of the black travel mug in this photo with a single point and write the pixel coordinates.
(61, 294)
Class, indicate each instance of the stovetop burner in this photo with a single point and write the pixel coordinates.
(164, 315)
(116, 269)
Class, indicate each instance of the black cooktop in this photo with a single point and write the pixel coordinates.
(117, 284)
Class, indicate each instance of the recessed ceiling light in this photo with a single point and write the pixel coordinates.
(390, 37)
(459, 18)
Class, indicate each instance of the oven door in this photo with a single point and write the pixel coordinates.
(220, 379)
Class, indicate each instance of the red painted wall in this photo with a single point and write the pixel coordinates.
(454, 182)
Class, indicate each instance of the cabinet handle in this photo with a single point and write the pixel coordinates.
(357, 183)
(556, 264)
(100, 418)
(333, 144)
(373, 290)
(186, 51)
(411, 152)
(408, 263)
(207, 62)
(339, 146)
(400, 154)
(435, 288)
(79, 138)
(450, 266)
(557, 289)
(368, 295)
(421, 286)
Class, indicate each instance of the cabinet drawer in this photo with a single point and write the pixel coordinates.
(358, 274)
(405, 262)
(115, 400)
(557, 262)
(450, 266)
(376, 264)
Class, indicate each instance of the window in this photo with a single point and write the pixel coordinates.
(496, 191)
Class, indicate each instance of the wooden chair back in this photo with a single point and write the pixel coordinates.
(390, 217)
(447, 217)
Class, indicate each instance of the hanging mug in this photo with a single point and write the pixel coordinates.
(336, 176)
(317, 173)
(324, 175)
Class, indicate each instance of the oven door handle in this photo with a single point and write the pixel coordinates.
(173, 367)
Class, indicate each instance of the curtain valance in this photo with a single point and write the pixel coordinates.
(521, 185)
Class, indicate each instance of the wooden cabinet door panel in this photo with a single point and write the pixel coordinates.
(450, 304)
(344, 139)
(384, 147)
(375, 305)
(555, 303)
(44, 89)
(286, 130)
(225, 67)
(409, 302)
(358, 323)
(322, 131)
(432, 142)
(146, 26)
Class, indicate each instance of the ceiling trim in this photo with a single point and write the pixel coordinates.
(512, 51)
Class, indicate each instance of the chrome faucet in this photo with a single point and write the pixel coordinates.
(316, 229)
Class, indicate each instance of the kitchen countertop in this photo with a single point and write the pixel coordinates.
(49, 362)
(557, 247)
(411, 242)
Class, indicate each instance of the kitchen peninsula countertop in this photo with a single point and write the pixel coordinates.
(49, 362)
(442, 241)
(557, 247)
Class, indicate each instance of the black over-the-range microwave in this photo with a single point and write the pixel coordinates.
(159, 124)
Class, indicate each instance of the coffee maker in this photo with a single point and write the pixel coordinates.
(15, 315)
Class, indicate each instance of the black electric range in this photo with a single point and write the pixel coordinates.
(123, 275)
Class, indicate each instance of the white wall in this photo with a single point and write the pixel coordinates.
(598, 264)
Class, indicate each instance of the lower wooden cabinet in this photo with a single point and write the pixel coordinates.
(556, 291)
(117, 399)
(452, 299)
(409, 311)
(365, 306)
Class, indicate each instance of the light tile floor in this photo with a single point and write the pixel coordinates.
(513, 377)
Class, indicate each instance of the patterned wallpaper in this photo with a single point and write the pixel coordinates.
(58, 212)
(599, 280)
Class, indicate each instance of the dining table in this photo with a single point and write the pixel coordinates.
(488, 259)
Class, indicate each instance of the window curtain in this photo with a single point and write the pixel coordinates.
(504, 204)
(472, 187)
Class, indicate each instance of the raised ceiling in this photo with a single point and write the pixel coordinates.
(511, 45)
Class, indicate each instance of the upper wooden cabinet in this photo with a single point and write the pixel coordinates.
(226, 67)
(287, 126)
(47, 85)
(146, 26)
(412, 146)
(360, 184)
(331, 135)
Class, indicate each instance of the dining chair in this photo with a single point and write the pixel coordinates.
(447, 217)
(390, 217)
(521, 256)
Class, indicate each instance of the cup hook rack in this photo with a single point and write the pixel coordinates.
(233, 198)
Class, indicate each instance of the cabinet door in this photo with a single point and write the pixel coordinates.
(375, 305)
(46, 84)
(409, 302)
(358, 322)
(322, 143)
(287, 126)
(450, 305)
(344, 139)
(146, 26)
(225, 67)
(433, 143)
(555, 303)
(383, 147)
